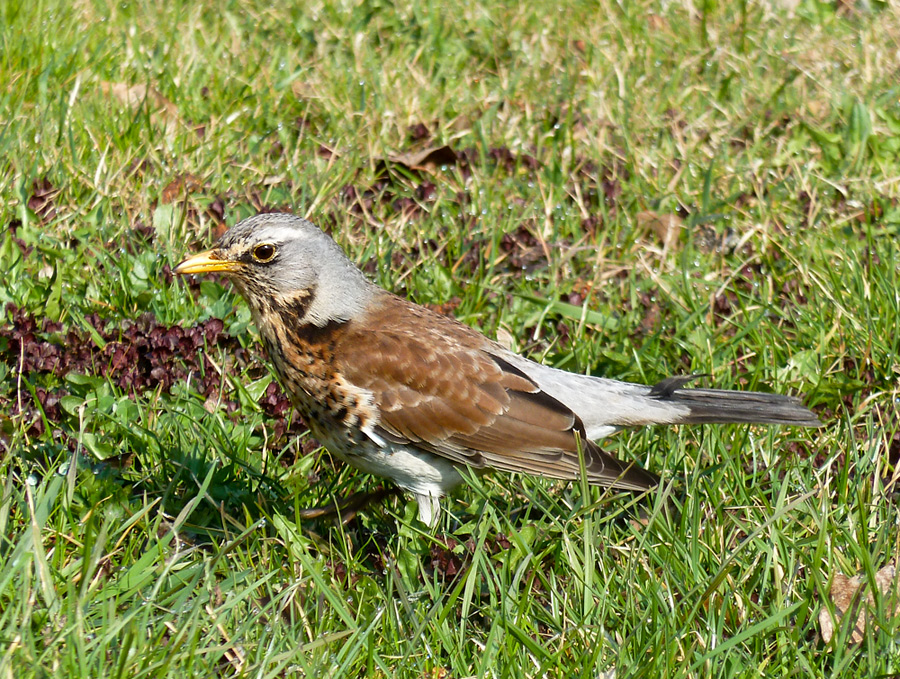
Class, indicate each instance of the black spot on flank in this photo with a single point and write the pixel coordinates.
(310, 333)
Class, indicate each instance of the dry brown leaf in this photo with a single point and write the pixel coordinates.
(302, 88)
(847, 594)
(42, 199)
(124, 461)
(666, 227)
(181, 186)
(655, 22)
(428, 160)
(134, 96)
(419, 132)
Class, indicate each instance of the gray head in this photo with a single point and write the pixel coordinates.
(284, 261)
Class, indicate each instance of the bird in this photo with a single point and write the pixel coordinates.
(405, 393)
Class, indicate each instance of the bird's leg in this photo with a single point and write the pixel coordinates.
(345, 510)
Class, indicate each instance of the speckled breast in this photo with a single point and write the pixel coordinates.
(335, 411)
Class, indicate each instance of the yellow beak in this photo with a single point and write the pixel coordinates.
(206, 262)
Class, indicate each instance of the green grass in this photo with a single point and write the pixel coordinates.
(155, 531)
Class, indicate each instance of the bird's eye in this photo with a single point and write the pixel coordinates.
(264, 253)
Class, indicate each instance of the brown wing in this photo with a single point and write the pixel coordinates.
(438, 386)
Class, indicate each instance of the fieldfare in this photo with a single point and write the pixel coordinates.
(401, 392)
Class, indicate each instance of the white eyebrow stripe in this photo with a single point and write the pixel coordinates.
(278, 234)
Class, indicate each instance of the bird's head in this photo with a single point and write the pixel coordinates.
(280, 261)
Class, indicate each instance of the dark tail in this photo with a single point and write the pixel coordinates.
(708, 406)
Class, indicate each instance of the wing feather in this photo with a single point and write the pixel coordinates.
(443, 387)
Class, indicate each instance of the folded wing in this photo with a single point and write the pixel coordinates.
(471, 406)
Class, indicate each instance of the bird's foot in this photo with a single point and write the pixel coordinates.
(346, 510)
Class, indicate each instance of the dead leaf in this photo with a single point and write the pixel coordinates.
(303, 89)
(41, 201)
(124, 461)
(429, 160)
(162, 111)
(847, 595)
(183, 185)
(655, 22)
(666, 227)
(419, 132)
